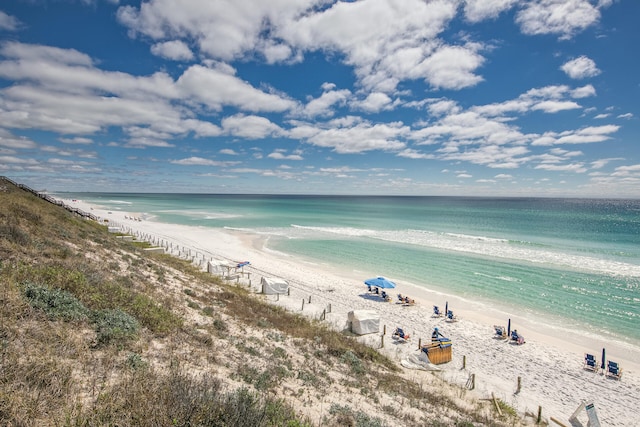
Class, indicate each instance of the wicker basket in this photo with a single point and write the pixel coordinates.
(438, 354)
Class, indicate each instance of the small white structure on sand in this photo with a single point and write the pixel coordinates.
(364, 322)
(274, 285)
(217, 267)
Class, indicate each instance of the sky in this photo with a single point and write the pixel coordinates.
(387, 97)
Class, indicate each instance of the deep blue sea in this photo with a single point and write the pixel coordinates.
(572, 261)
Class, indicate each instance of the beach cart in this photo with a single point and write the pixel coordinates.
(438, 351)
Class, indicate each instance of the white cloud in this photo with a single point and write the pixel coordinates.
(555, 106)
(563, 17)
(322, 106)
(218, 86)
(602, 116)
(9, 140)
(198, 161)
(8, 22)
(76, 141)
(385, 41)
(580, 68)
(354, 138)
(280, 155)
(374, 102)
(583, 92)
(626, 116)
(176, 50)
(479, 10)
(586, 135)
(251, 127)
(452, 67)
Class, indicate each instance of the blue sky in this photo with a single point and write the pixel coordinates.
(440, 97)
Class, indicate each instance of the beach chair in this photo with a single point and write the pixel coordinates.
(614, 370)
(385, 296)
(400, 298)
(436, 311)
(501, 332)
(409, 301)
(590, 362)
(451, 317)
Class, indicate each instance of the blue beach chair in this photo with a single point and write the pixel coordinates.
(590, 362)
(614, 370)
(436, 311)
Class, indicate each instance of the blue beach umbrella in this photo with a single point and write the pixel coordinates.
(380, 282)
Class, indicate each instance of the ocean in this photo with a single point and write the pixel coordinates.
(568, 262)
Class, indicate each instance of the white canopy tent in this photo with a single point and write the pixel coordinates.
(364, 321)
(218, 267)
(274, 285)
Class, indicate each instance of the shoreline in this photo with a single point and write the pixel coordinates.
(549, 364)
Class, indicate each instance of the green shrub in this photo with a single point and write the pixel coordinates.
(353, 361)
(56, 303)
(114, 325)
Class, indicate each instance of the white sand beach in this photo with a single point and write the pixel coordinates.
(549, 364)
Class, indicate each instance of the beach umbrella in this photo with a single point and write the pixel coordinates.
(380, 282)
(602, 364)
(509, 328)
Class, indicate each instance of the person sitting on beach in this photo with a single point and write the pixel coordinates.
(376, 291)
(385, 296)
(515, 336)
(399, 332)
(400, 298)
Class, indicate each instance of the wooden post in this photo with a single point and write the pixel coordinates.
(419, 343)
(464, 362)
(288, 291)
(384, 330)
(309, 299)
(381, 341)
(302, 303)
(473, 381)
(495, 402)
(278, 297)
(519, 385)
(324, 314)
(539, 415)
(329, 308)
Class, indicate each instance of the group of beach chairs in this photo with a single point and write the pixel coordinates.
(612, 369)
(449, 316)
(405, 300)
(515, 337)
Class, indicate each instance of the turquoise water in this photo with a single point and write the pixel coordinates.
(573, 261)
